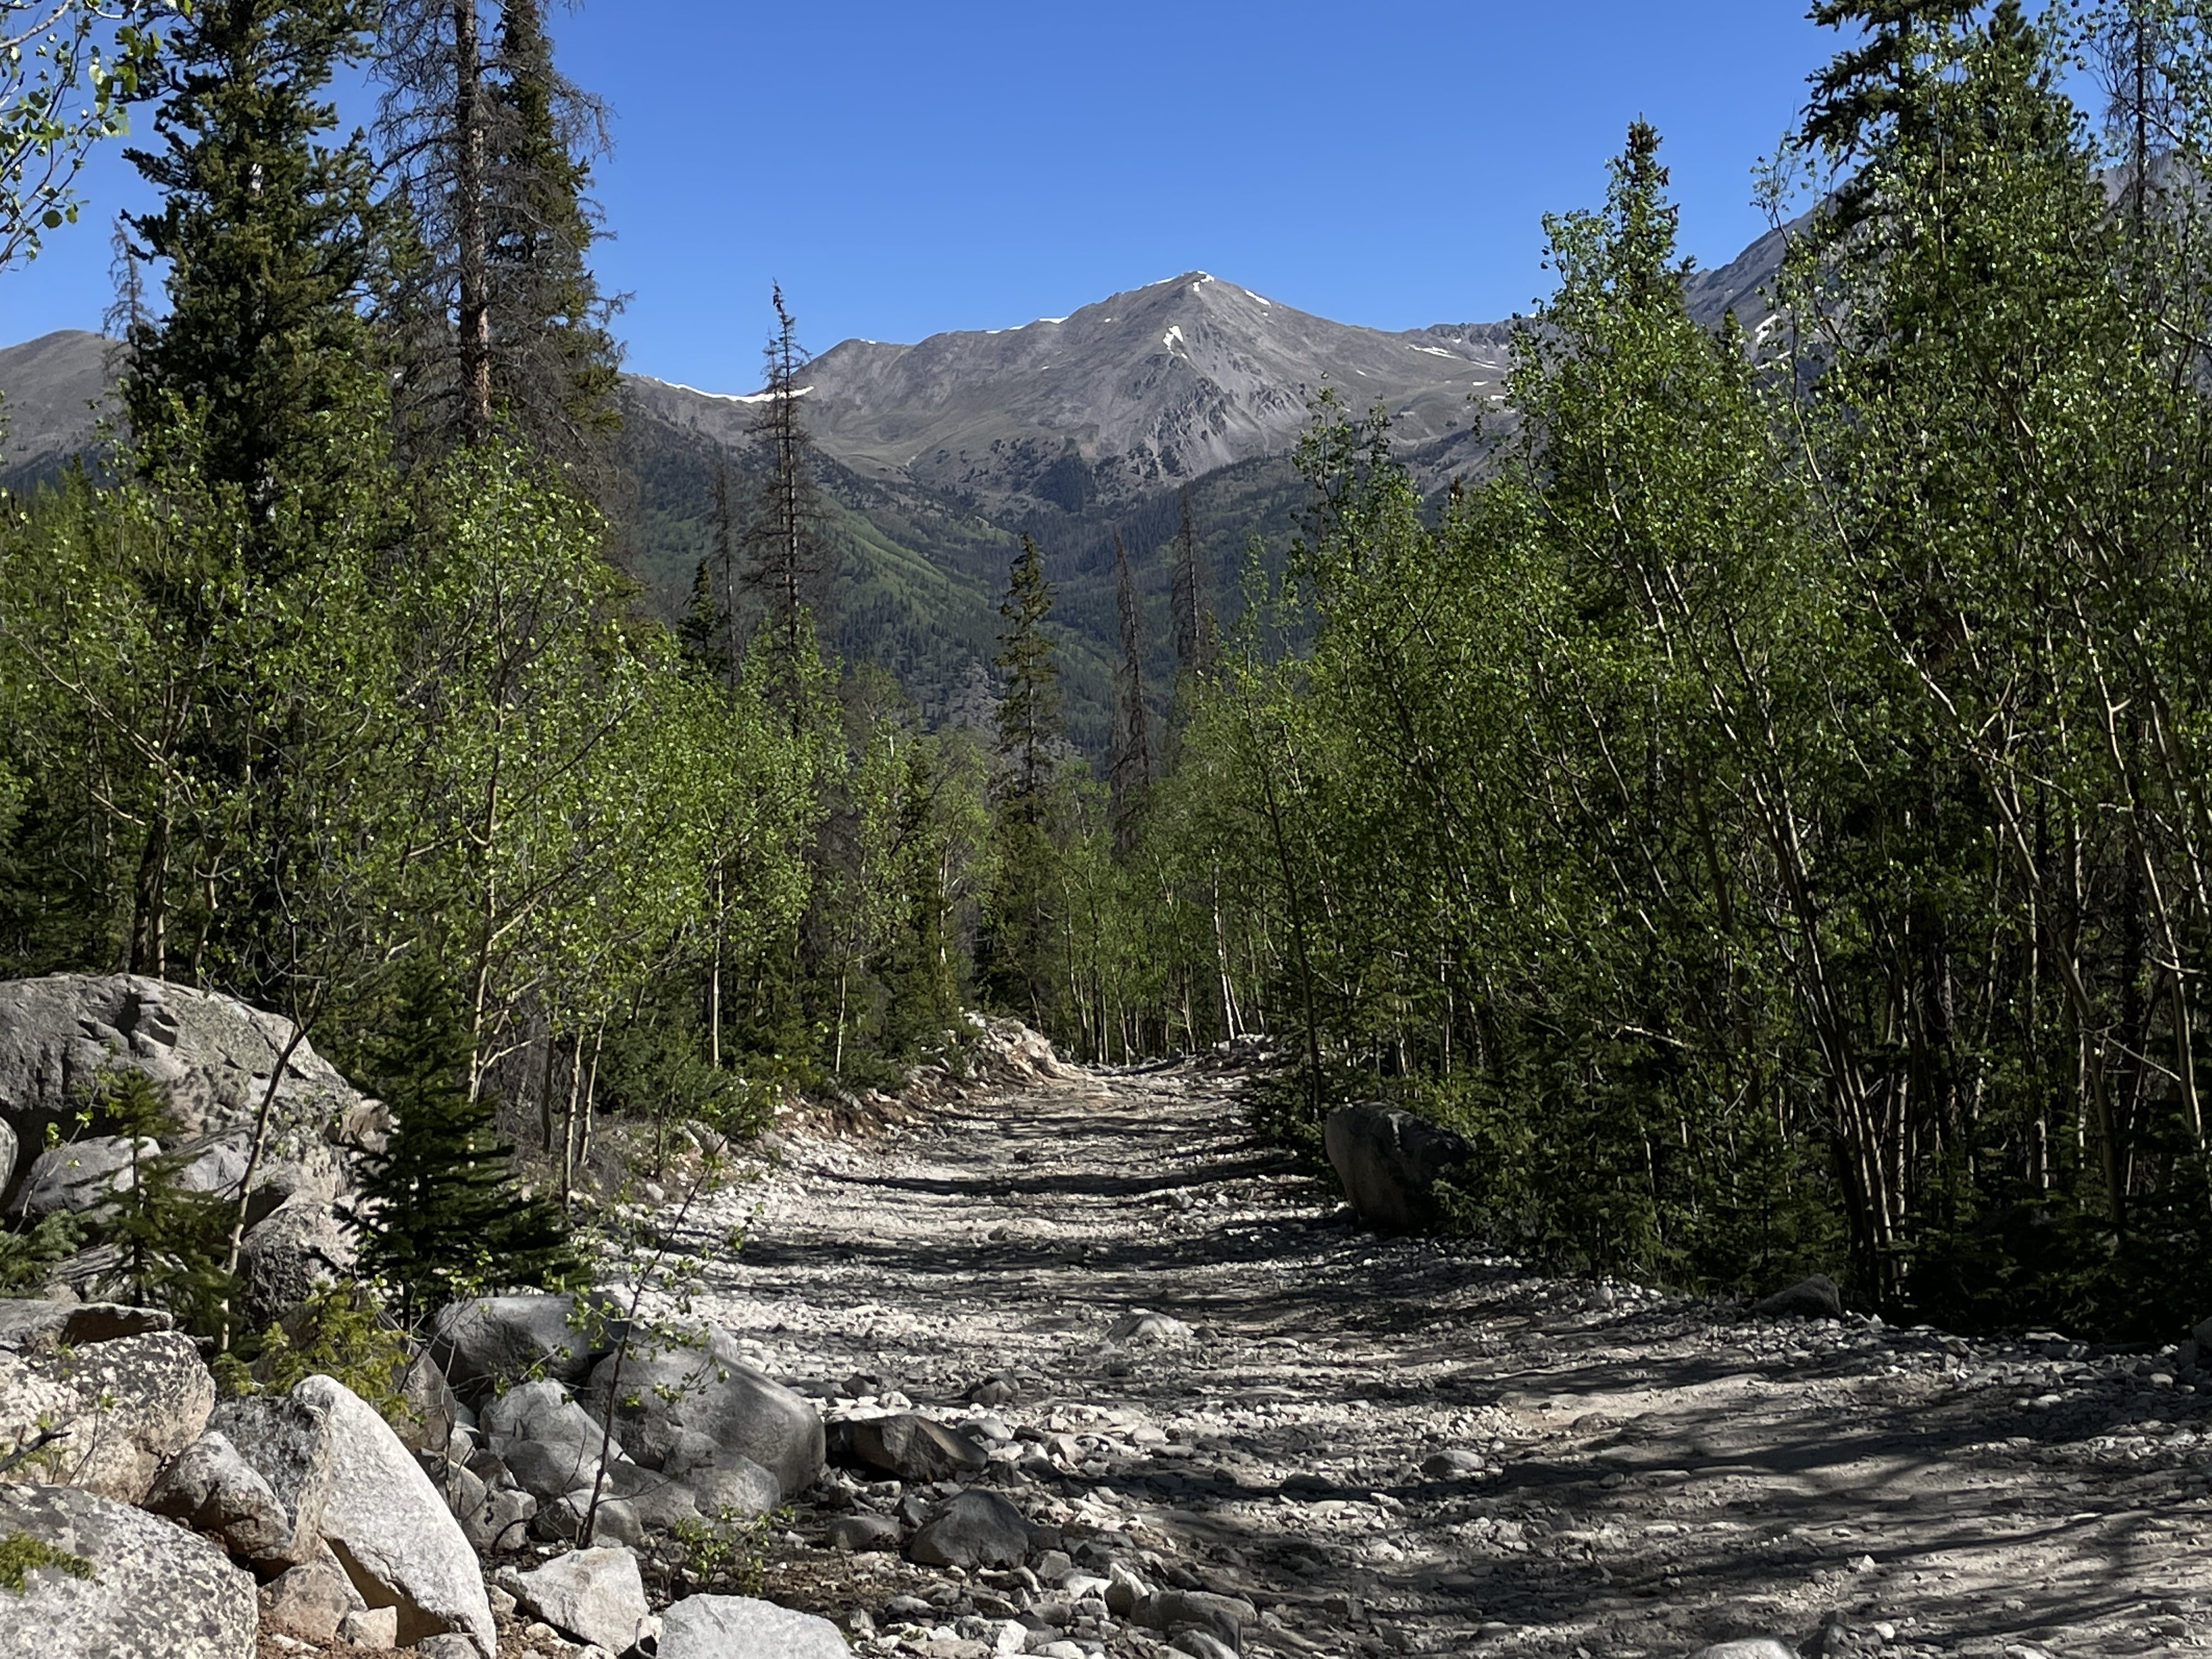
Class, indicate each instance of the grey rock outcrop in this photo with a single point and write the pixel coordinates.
(9, 1146)
(595, 1596)
(213, 1054)
(743, 1627)
(488, 1342)
(1816, 1297)
(1389, 1162)
(914, 1447)
(79, 1177)
(976, 1529)
(153, 1590)
(213, 1489)
(127, 1406)
(708, 1389)
(300, 1248)
(323, 1445)
(39, 1325)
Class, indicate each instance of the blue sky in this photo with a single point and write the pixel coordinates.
(907, 168)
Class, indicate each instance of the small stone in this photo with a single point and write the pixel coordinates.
(502, 1601)
(1814, 1297)
(1863, 1564)
(1758, 1647)
(1144, 1326)
(372, 1627)
(1201, 1644)
(976, 1529)
(742, 1627)
(855, 1533)
(310, 1600)
(1456, 1462)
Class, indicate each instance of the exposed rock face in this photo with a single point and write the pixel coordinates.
(33, 1326)
(914, 1447)
(1389, 1162)
(977, 1528)
(741, 1627)
(129, 1406)
(79, 1175)
(213, 1054)
(300, 1248)
(1816, 1297)
(708, 1390)
(493, 1341)
(155, 1591)
(7, 1145)
(326, 1453)
(595, 1596)
(212, 1489)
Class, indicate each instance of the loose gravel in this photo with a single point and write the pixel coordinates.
(1392, 1445)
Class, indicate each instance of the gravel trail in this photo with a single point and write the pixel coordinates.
(1417, 1446)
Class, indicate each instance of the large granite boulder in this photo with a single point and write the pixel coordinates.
(742, 1627)
(327, 1454)
(490, 1342)
(213, 1489)
(666, 1395)
(977, 1529)
(212, 1053)
(301, 1247)
(1389, 1162)
(1815, 1298)
(595, 1596)
(124, 1407)
(909, 1447)
(31, 1325)
(136, 1586)
(80, 1176)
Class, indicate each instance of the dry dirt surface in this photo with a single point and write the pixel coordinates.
(1422, 1446)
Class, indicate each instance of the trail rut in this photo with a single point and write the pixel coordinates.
(1636, 1474)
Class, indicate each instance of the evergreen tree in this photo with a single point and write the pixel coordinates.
(1017, 949)
(441, 1217)
(1131, 769)
(499, 319)
(170, 1239)
(1028, 710)
(257, 379)
(1190, 597)
(788, 559)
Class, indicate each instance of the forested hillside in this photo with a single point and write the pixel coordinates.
(1745, 773)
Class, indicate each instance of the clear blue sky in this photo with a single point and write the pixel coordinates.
(906, 168)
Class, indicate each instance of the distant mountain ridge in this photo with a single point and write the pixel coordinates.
(941, 454)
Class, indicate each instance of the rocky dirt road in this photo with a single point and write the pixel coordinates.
(1420, 1447)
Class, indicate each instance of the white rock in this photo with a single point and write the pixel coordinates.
(742, 1627)
(593, 1595)
(129, 1407)
(401, 1545)
(154, 1591)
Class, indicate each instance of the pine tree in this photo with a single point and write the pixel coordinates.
(500, 321)
(442, 1216)
(1028, 713)
(1130, 769)
(257, 378)
(169, 1238)
(789, 565)
(1191, 598)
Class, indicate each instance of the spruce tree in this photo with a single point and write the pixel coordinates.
(1028, 713)
(788, 558)
(1191, 598)
(442, 1216)
(260, 377)
(1017, 948)
(1130, 769)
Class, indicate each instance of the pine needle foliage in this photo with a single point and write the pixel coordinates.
(443, 1217)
